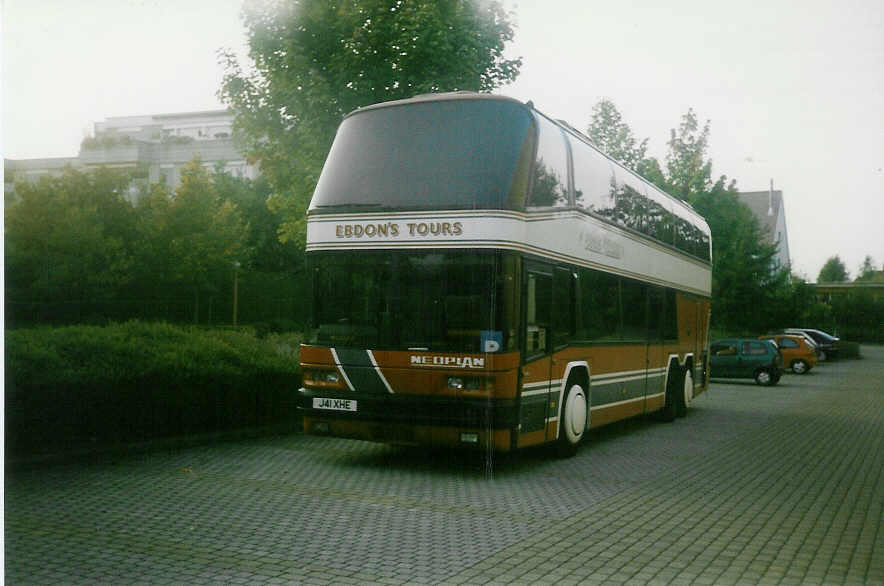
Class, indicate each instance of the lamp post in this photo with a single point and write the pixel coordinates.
(236, 266)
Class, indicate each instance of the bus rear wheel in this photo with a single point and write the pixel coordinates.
(572, 423)
(687, 394)
(671, 399)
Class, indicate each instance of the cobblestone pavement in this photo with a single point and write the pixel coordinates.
(778, 485)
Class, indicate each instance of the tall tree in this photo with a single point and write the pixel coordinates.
(614, 137)
(833, 271)
(315, 60)
(68, 238)
(688, 171)
(867, 270)
(192, 238)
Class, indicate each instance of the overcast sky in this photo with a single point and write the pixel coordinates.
(794, 89)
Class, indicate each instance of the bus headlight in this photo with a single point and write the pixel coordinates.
(324, 376)
(455, 382)
(469, 383)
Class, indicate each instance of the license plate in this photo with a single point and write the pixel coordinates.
(334, 404)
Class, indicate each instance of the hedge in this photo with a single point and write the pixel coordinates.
(138, 381)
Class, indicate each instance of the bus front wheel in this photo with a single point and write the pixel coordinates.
(572, 423)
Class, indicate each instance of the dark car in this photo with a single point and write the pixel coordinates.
(746, 358)
(827, 344)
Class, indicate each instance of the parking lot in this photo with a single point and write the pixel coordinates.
(770, 485)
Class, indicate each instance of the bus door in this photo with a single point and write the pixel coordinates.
(564, 328)
(534, 406)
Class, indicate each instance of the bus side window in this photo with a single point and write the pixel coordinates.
(655, 314)
(539, 300)
(550, 185)
(593, 178)
(563, 307)
(599, 306)
(633, 298)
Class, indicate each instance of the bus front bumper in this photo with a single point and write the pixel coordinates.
(409, 419)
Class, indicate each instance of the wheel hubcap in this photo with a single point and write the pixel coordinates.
(575, 414)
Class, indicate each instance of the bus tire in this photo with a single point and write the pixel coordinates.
(670, 401)
(572, 423)
(687, 392)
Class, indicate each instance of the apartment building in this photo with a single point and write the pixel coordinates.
(158, 145)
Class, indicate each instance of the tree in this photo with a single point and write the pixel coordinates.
(833, 271)
(265, 251)
(688, 171)
(614, 137)
(68, 239)
(191, 238)
(867, 271)
(315, 60)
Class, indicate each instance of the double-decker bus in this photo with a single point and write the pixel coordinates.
(483, 275)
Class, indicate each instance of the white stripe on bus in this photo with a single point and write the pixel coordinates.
(378, 370)
(341, 369)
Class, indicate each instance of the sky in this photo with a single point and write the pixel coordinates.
(793, 89)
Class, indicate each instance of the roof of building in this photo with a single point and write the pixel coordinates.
(765, 205)
(146, 119)
(49, 163)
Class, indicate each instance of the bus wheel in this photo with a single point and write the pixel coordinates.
(572, 424)
(670, 401)
(687, 394)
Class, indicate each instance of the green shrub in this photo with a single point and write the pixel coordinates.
(135, 381)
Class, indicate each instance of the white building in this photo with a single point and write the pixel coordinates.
(159, 144)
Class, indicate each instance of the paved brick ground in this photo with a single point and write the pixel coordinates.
(777, 485)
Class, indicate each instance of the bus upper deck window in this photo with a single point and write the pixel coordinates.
(550, 185)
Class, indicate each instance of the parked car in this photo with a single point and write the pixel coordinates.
(797, 353)
(827, 345)
(746, 358)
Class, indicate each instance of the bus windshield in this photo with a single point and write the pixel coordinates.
(419, 300)
(450, 154)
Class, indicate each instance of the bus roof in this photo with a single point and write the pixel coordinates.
(438, 97)
(681, 208)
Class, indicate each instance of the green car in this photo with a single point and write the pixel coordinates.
(746, 358)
